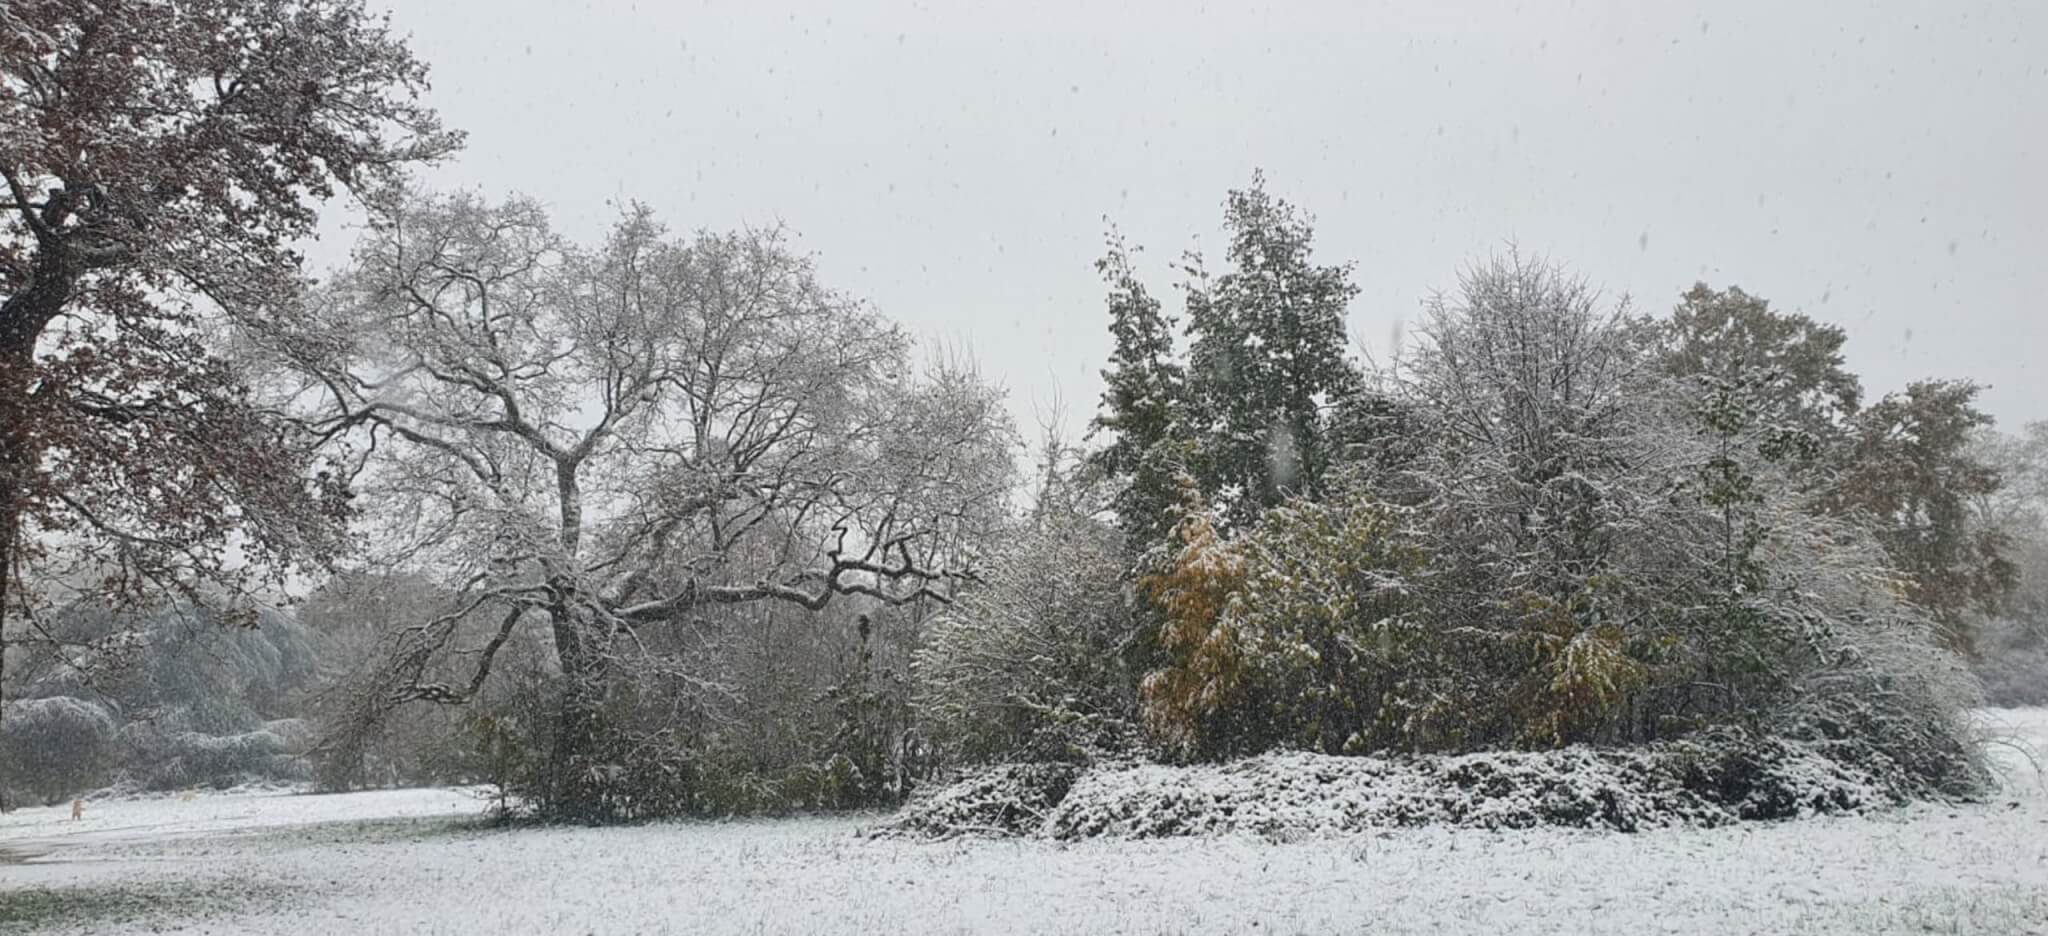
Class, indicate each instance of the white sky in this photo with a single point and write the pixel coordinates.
(1877, 165)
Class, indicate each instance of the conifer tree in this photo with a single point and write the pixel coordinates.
(1142, 404)
(1267, 357)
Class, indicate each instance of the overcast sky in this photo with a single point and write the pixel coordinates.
(1883, 166)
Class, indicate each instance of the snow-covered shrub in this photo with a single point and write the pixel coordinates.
(298, 735)
(163, 757)
(1026, 665)
(719, 792)
(220, 760)
(55, 747)
(1714, 779)
(2012, 647)
(640, 765)
(1296, 632)
(1891, 700)
(1758, 776)
(1591, 546)
(1009, 799)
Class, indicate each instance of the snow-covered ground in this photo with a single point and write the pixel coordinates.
(153, 820)
(404, 862)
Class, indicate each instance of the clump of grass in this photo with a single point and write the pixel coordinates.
(90, 907)
(378, 831)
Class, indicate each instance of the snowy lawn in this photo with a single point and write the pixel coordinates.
(410, 861)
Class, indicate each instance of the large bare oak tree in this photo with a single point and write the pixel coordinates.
(612, 442)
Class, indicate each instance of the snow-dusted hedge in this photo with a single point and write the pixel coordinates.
(54, 747)
(177, 760)
(1010, 799)
(296, 734)
(1711, 781)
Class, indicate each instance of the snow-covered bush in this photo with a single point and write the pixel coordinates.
(1714, 779)
(55, 747)
(1027, 665)
(298, 735)
(1008, 799)
(1890, 700)
(1296, 632)
(1589, 548)
(190, 759)
(2012, 647)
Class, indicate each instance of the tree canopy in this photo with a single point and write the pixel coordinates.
(160, 160)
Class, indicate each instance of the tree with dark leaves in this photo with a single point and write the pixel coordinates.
(1912, 473)
(1142, 405)
(1268, 357)
(1793, 363)
(159, 160)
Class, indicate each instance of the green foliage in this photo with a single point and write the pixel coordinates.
(1585, 674)
(1730, 337)
(1144, 402)
(1327, 617)
(1248, 415)
(1268, 356)
(1297, 632)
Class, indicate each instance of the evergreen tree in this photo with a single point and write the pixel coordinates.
(1267, 357)
(1141, 406)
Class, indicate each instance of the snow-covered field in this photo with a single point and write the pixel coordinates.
(406, 862)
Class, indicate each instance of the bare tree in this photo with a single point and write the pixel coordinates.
(619, 439)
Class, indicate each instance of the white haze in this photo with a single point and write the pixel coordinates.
(1874, 165)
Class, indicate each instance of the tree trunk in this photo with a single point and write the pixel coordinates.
(17, 463)
(23, 316)
(14, 459)
(572, 790)
(7, 535)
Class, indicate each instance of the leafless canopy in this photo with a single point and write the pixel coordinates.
(618, 438)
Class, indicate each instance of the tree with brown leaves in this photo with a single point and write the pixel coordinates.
(160, 159)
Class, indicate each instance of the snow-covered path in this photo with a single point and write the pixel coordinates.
(395, 862)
